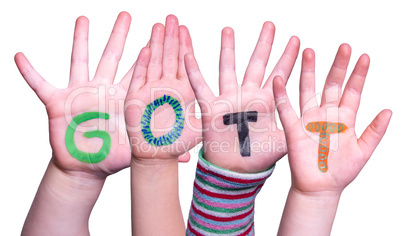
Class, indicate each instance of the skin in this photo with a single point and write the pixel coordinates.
(154, 170)
(219, 140)
(70, 188)
(314, 196)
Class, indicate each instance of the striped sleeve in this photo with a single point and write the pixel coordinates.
(223, 200)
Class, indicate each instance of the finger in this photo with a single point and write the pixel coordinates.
(109, 62)
(354, 87)
(308, 98)
(156, 45)
(333, 85)
(259, 60)
(125, 82)
(200, 87)
(79, 72)
(227, 67)
(140, 70)
(373, 134)
(170, 48)
(285, 64)
(184, 158)
(286, 113)
(41, 87)
(186, 46)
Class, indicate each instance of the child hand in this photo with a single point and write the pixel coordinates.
(98, 146)
(229, 141)
(161, 127)
(160, 102)
(325, 157)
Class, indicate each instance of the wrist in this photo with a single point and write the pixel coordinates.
(149, 162)
(154, 169)
(155, 197)
(217, 169)
(309, 213)
(64, 200)
(324, 203)
(72, 185)
(325, 196)
(223, 200)
(236, 163)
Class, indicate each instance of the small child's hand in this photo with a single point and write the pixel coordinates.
(239, 127)
(162, 127)
(160, 103)
(325, 154)
(87, 134)
(240, 138)
(86, 119)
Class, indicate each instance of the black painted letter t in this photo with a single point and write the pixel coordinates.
(241, 119)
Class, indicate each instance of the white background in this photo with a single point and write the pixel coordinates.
(43, 30)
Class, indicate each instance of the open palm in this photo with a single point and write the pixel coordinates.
(223, 137)
(347, 153)
(160, 103)
(98, 99)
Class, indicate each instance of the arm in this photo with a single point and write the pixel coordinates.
(63, 203)
(310, 213)
(326, 131)
(161, 127)
(87, 144)
(155, 197)
(223, 201)
(239, 129)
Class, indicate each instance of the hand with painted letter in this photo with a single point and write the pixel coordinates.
(239, 127)
(160, 117)
(87, 134)
(161, 127)
(325, 155)
(86, 119)
(241, 141)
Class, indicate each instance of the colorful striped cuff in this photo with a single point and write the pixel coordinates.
(223, 200)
